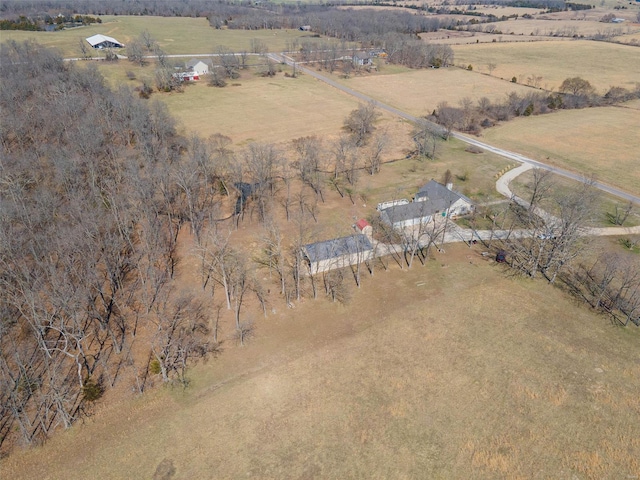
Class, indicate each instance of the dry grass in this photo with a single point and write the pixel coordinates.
(175, 35)
(419, 91)
(449, 37)
(600, 141)
(563, 28)
(602, 64)
(468, 375)
(262, 109)
(605, 210)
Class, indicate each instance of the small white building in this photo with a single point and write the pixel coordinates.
(337, 253)
(197, 67)
(102, 41)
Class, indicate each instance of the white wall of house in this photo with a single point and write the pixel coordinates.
(412, 222)
(459, 207)
(340, 262)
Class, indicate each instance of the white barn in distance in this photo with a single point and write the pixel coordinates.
(100, 41)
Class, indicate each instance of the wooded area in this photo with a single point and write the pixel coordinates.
(91, 205)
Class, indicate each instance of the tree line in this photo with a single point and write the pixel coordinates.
(91, 208)
(574, 92)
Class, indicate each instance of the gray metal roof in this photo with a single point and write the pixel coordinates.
(410, 211)
(337, 247)
(440, 195)
(99, 38)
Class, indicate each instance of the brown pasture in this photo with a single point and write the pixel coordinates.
(419, 91)
(596, 141)
(560, 28)
(257, 109)
(466, 37)
(603, 64)
(454, 370)
(175, 35)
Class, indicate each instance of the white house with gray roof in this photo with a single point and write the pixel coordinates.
(444, 199)
(197, 67)
(432, 201)
(408, 215)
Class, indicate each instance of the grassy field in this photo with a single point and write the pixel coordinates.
(564, 28)
(600, 141)
(175, 35)
(602, 64)
(455, 371)
(419, 91)
(260, 109)
(605, 210)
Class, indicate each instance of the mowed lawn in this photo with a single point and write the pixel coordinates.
(602, 141)
(419, 91)
(453, 370)
(175, 35)
(603, 64)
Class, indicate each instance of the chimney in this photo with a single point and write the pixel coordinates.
(449, 186)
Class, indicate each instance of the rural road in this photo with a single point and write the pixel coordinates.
(281, 58)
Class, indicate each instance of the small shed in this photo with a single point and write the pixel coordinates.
(337, 253)
(365, 228)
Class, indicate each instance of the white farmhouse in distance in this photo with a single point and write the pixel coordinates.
(102, 41)
(197, 67)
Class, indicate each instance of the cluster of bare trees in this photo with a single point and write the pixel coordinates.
(610, 285)
(413, 53)
(93, 194)
(544, 234)
(472, 117)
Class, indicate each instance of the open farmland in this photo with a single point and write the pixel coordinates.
(466, 37)
(603, 64)
(454, 372)
(175, 35)
(600, 141)
(419, 91)
(550, 28)
(262, 109)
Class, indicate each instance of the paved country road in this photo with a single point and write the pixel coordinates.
(281, 58)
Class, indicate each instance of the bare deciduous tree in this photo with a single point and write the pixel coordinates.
(361, 122)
